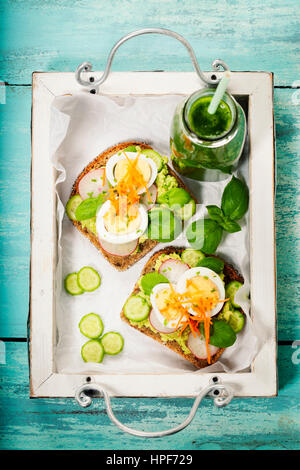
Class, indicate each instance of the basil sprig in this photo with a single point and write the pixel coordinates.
(215, 213)
(206, 234)
(235, 199)
(88, 208)
(234, 205)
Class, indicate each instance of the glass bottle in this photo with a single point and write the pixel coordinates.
(207, 147)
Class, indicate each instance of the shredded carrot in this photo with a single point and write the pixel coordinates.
(201, 305)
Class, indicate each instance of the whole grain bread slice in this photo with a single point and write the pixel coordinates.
(119, 262)
(230, 274)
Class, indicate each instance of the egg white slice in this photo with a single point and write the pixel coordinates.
(110, 167)
(201, 271)
(116, 238)
(171, 323)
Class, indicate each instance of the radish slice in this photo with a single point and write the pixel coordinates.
(92, 184)
(125, 249)
(197, 346)
(173, 269)
(145, 198)
(157, 325)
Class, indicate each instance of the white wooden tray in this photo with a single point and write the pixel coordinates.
(44, 379)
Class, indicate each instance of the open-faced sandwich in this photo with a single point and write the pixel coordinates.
(186, 301)
(127, 200)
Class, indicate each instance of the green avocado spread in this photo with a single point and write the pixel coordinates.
(163, 258)
(180, 339)
(164, 181)
(90, 225)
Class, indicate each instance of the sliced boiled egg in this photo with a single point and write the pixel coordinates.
(120, 229)
(204, 283)
(166, 314)
(118, 165)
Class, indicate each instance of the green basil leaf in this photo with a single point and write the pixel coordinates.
(230, 225)
(88, 208)
(235, 199)
(223, 335)
(175, 198)
(163, 225)
(215, 213)
(205, 235)
(215, 264)
(149, 280)
(178, 197)
(131, 148)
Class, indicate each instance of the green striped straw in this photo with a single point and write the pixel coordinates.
(220, 90)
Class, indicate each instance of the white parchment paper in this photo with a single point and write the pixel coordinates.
(82, 126)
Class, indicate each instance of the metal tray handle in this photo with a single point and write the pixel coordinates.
(87, 66)
(222, 396)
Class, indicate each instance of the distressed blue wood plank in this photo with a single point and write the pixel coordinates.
(58, 35)
(287, 121)
(15, 161)
(15, 212)
(272, 423)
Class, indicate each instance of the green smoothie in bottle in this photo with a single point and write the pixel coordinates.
(206, 125)
(207, 146)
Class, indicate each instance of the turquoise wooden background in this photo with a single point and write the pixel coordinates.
(57, 36)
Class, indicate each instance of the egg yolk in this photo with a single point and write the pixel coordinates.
(121, 170)
(122, 223)
(163, 300)
(202, 287)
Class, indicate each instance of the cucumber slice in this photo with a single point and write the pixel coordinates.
(91, 326)
(136, 308)
(150, 280)
(72, 205)
(233, 317)
(230, 291)
(112, 343)
(155, 157)
(71, 284)
(192, 257)
(88, 279)
(92, 351)
(187, 211)
(236, 321)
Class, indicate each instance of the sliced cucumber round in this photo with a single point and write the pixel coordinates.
(92, 351)
(231, 289)
(72, 205)
(91, 326)
(136, 308)
(88, 279)
(71, 284)
(192, 257)
(155, 157)
(112, 343)
(236, 321)
(233, 317)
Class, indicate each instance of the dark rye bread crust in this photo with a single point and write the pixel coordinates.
(119, 262)
(230, 275)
